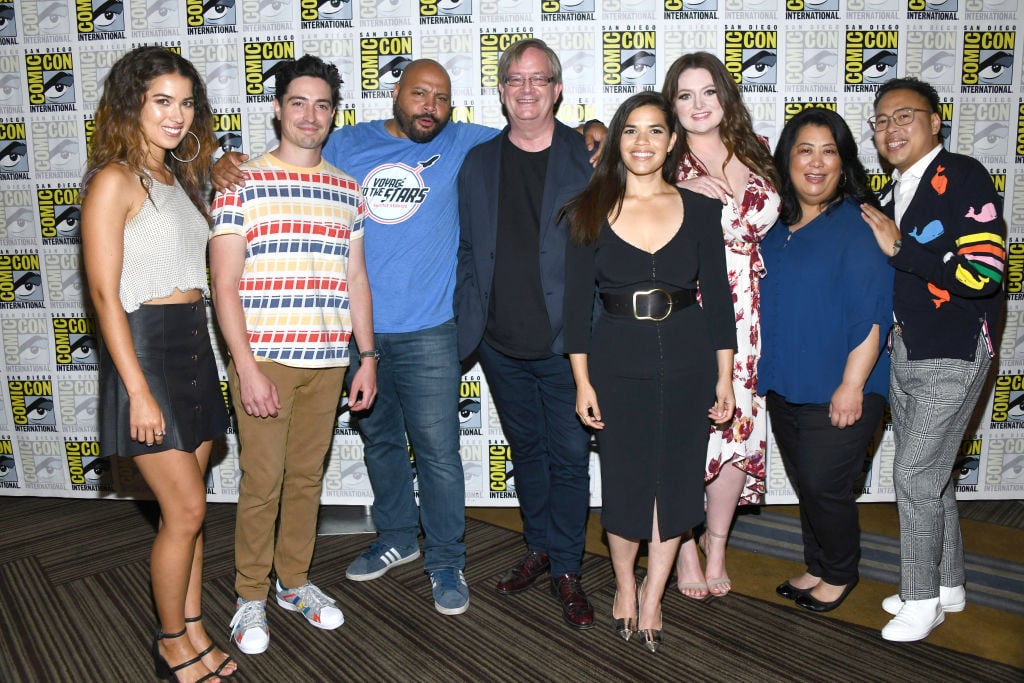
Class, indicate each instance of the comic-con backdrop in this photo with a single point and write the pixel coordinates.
(784, 54)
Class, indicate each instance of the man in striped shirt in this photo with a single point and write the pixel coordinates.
(290, 290)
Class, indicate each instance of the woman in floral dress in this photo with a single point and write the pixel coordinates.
(719, 155)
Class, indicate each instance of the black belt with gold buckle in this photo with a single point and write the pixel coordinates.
(653, 304)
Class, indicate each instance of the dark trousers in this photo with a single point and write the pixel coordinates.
(823, 463)
(536, 401)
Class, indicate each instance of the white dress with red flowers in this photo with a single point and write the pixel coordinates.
(742, 441)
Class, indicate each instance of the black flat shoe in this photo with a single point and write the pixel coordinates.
(789, 591)
(807, 601)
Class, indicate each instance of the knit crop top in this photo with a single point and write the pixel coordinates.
(164, 247)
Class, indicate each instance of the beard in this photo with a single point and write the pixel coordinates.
(407, 124)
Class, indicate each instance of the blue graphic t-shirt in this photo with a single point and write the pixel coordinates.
(411, 229)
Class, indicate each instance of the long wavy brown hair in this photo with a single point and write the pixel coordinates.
(736, 130)
(118, 136)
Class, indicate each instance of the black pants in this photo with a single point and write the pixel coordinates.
(823, 463)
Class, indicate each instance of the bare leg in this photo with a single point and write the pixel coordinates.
(692, 583)
(660, 557)
(194, 594)
(723, 495)
(623, 552)
(177, 482)
(805, 581)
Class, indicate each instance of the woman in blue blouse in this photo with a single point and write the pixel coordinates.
(826, 303)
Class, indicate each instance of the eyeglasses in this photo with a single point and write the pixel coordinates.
(536, 81)
(901, 117)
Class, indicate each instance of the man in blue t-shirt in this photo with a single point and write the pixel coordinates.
(407, 167)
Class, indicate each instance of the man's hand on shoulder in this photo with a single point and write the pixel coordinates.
(226, 174)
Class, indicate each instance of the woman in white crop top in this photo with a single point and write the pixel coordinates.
(144, 232)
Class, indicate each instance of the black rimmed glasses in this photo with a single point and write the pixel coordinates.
(901, 117)
(517, 81)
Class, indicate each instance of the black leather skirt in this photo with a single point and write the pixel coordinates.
(172, 343)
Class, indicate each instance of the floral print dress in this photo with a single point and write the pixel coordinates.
(742, 441)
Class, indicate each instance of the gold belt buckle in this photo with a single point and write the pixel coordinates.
(648, 293)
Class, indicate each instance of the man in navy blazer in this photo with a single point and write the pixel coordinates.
(508, 305)
(942, 229)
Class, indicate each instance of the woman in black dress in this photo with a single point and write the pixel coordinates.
(655, 357)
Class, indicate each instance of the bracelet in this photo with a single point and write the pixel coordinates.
(372, 353)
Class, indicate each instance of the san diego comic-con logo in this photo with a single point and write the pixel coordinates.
(8, 23)
(629, 59)
(63, 279)
(983, 130)
(447, 11)
(100, 19)
(210, 16)
(218, 63)
(567, 10)
(385, 12)
(492, 45)
(86, 469)
(78, 402)
(470, 421)
(26, 343)
(17, 220)
(42, 463)
(13, 150)
(394, 192)
(687, 9)
(812, 9)
(94, 63)
(871, 57)
(932, 10)
(260, 15)
(577, 51)
(8, 466)
(1015, 270)
(74, 343)
(21, 282)
(45, 21)
(381, 63)
(999, 181)
(11, 98)
(1008, 402)
(988, 61)
(812, 59)
(32, 404)
(507, 11)
(51, 80)
(325, 14)
(1004, 464)
(1011, 346)
(966, 471)
(60, 215)
(155, 18)
(751, 56)
(500, 472)
(227, 126)
(931, 55)
(453, 49)
(262, 59)
(56, 150)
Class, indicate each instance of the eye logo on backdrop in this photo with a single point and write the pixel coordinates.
(26, 344)
(871, 58)
(262, 59)
(13, 150)
(931, 55)
(154, 18)
(812, 59)
(88, 471)
(983, 130)
(78, 402)
(932, 10)
(492, 45)
(500, 472)
(8, 468)
(8, 23)
(453, 49)
(21, 282)
(60, 215)
(11, 79)
(751, 56)
(32, 404)
(577, 52)
(1008, 402)
(17, 219)
(74, 341)
(45, 21)
(629, 59)
(51, 81)
(56, 149)
(469, 406)
(446, 11)
(100, 19)
(326, 14)
(988, 61)
(567, 10)
(210, 16)
(382, 61)
(227, 126)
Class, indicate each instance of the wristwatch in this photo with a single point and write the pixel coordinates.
(896, 246)
(372, 353)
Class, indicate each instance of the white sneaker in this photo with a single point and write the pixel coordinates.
(952, 599)
(916, 619)
(249, 628)
(311, 602)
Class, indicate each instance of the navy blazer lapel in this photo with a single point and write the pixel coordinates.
(554, 178)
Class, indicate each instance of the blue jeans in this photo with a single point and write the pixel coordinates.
(536, 401)
(417, 394)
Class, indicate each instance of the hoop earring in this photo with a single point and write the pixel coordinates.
(199, 146)
(842, 178)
